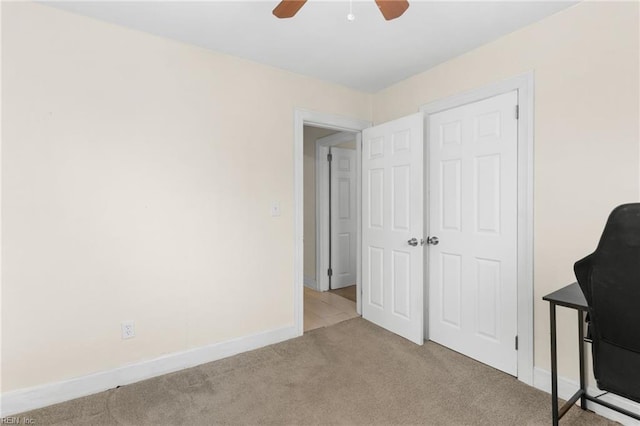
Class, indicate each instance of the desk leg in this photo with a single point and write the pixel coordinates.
(554, 366)
(583, 379)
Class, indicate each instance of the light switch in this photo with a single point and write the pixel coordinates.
(275, 208)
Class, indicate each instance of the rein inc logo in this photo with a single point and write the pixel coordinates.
(17, 421)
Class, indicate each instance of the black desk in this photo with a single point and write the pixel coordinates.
(571, 297)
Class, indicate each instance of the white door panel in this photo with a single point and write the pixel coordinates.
(392, 211)
(343, 217)
(473, 212)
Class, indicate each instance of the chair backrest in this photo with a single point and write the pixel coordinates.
(610, 280)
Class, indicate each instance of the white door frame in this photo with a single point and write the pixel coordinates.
(322, 202)
(524, 85)
(302, 117)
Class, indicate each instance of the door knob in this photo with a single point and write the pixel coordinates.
(433, 241)
(414, 242)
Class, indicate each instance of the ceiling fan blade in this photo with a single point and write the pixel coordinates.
(392, 9)
(288, 8)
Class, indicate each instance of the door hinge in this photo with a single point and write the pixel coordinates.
(329, 157)
(516, 343)
(517, 112)
(330, 272)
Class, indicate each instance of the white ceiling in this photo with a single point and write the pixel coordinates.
(367, 54)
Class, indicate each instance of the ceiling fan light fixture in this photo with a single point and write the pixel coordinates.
(390, 9)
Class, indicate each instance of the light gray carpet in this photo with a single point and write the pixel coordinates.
(349, 373)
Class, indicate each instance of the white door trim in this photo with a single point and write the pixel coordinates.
(524, 84)
(322, 201)
(302, 117)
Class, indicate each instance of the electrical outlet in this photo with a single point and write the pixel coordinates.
(128, 330)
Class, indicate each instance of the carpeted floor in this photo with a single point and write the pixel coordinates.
(350, 373)
(346, 292)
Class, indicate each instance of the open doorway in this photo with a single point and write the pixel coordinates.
(330, 226)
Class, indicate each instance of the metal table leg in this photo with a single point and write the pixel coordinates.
(583, 380)
(554, 366)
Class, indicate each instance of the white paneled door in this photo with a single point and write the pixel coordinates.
(392, 226)
(343, 217)
(473, 214)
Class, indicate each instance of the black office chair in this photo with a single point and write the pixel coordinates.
(610, 281)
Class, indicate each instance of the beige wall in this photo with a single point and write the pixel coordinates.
(311, 134)
(587, 138)
(348, 145)
(137, 176)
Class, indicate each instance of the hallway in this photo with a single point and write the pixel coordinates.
(322, 309)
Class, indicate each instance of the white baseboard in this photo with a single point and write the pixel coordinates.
(567, 387)
(310, 282)
(41, 396)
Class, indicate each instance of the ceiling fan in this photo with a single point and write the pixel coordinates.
(390, 9)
